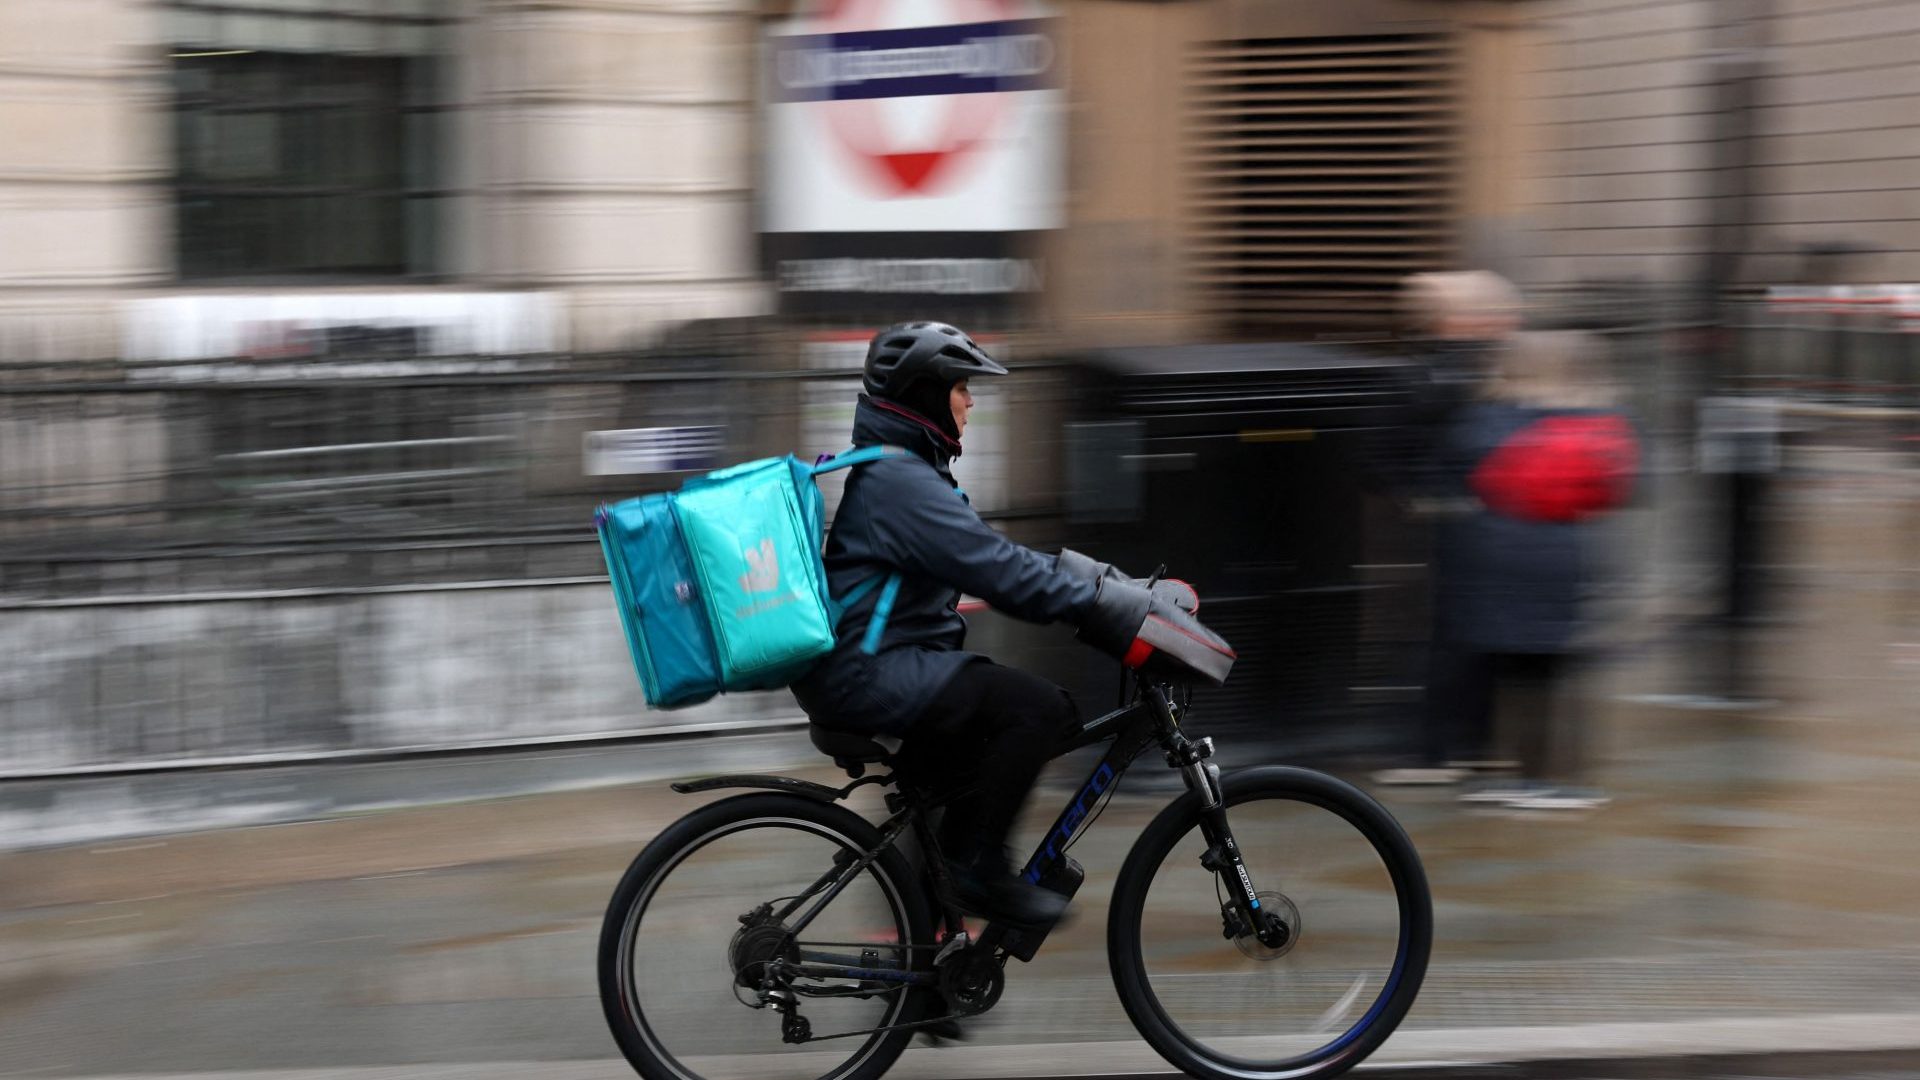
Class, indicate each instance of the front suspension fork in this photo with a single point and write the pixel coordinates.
(1242, 913)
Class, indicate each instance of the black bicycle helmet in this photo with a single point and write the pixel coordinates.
(904, 354)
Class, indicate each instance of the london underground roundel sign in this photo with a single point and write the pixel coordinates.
(912, 115)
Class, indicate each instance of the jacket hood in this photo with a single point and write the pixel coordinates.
(876, 421)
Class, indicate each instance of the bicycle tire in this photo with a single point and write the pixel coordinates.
(685, 836)
(1127, 959)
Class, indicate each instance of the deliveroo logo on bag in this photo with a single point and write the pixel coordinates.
(763, 569)
(762, 576)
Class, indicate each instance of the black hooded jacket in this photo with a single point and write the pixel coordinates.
(907, 514)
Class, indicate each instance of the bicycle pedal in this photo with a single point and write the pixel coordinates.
(954, 944)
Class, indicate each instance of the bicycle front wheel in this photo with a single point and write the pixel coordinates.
(1215, 1001)
(702, 936)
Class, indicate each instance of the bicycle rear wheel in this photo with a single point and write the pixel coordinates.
(694, 927)
(1342, 875)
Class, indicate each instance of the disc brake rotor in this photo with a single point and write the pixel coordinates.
(1272, 904)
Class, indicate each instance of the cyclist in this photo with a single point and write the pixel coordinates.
(954, 711)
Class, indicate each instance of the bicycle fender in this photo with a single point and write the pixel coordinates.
(788, 784)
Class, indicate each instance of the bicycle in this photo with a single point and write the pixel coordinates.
(851, 956)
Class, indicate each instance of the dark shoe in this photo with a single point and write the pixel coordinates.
(988, 889)
(948, 1030)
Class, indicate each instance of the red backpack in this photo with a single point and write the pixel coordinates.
(1560, 469)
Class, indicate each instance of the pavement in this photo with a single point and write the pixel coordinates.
(1746, 906)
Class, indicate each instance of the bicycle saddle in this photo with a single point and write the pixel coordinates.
(849, 750)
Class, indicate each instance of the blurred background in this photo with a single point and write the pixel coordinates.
(326, 324)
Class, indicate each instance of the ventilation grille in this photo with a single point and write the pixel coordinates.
(1265, 391)
(1326, 171)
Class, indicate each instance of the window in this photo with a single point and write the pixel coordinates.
(306, 142)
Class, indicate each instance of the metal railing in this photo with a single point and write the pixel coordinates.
(123, 463)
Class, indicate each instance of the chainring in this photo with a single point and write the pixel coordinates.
(972, 981)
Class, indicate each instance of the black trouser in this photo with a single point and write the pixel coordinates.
(993, 728)
(1461, 691)
(1459, 705)
(1548, 732)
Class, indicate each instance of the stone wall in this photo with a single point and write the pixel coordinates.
(1626, 98)
(82, 171)
(132, 682)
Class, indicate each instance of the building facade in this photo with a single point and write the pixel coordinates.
(1638, 100)
(597, 153)
(1229, 168)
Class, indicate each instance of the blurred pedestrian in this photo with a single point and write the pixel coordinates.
(1456, 324)
(1539, 458)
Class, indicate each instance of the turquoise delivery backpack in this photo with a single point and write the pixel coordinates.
(720, 585)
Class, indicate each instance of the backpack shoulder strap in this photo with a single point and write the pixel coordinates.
(859, 455)
(889, 583)
(852, 596)
(882, 610)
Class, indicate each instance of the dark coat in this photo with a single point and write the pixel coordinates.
(907, 514)
(1401, 458)
(1502, 584)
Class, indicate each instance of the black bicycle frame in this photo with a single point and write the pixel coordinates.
(1136, 728)
(1151, 718)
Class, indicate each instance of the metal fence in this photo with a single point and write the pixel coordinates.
(398, 476)
(118, 465)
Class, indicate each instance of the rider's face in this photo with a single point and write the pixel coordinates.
(961, 399)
